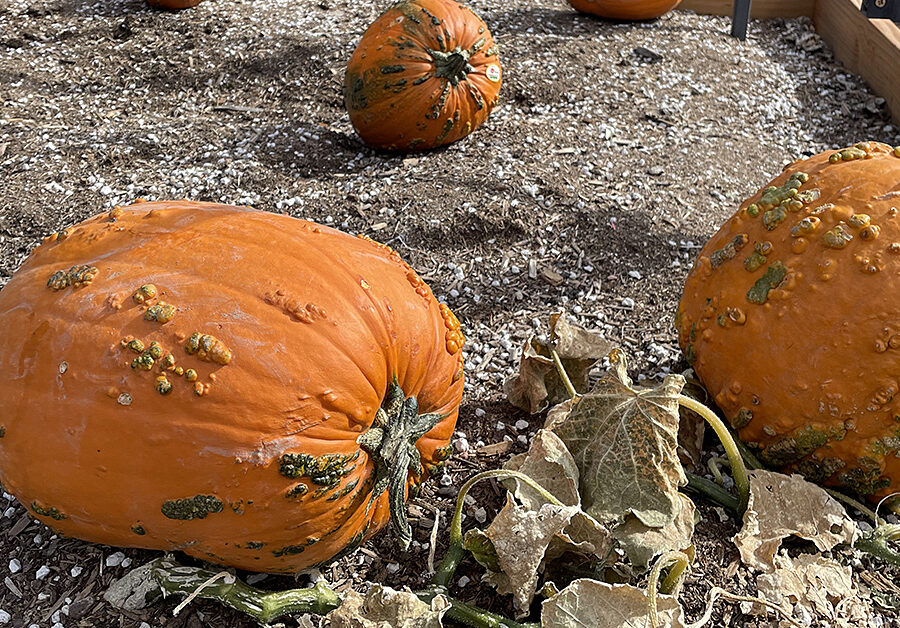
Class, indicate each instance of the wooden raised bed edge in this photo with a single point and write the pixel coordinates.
(870, 48)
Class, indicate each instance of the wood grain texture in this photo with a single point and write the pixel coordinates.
(870, 48)
(758, 8)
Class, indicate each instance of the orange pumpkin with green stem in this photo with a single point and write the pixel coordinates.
(625, 9)
(426, 73)
(790, 318)
(256, 390)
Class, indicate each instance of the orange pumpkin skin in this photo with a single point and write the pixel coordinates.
(174, 5)
(308, 328)
(789, 316)
(625, 9)
(426, 73)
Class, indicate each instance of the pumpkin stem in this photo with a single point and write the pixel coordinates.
(391, 442)
(453, 65)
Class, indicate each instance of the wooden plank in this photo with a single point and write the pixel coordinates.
(758, 9)
(870, 48)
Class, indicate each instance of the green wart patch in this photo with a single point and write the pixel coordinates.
(47, 511)
(197, 507)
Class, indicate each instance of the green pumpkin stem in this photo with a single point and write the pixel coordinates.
(391, 443)
(453, 65)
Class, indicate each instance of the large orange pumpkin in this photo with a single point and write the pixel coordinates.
(625, 9)
(425, 74)
(256, 390)
(174, 5)
(791, 318)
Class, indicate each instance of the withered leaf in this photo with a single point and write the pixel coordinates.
(782, 506)
(591, 604)
(820, 585)
(548, 463)
(538, 384)
(383, 607)
(520, 537)
(624, 441)
(643, 543)
(692, 426)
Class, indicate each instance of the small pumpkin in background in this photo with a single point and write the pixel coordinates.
(174, 5)
(625, 9)
(256, 390)
(426, 73)
(789, 317)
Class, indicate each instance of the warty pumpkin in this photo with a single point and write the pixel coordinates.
(625, 9)
(426, 73)
(790, 316)
(174, 5)
(255, 390)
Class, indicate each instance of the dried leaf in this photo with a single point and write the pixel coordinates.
(820, 585)
(624, 442)
(383, 607)
(591, 604)
(520, 537)
(643, 543)
(584, 535)
(692, 426)
(528, 389)
(137, 589)
(548, 463)
(558, 413)
(782, 506)
(538, 383)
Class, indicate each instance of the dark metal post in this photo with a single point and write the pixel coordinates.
(740, 18)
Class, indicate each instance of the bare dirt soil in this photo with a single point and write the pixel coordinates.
(615, 152)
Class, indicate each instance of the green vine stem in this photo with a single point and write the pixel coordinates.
(713, 492)
(456, 552)
(876, 543)
(738, 470)
(680, 562)
(264, 606)
(471, 615)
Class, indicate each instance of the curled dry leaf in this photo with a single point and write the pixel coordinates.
(624, 441)
(520, 537)
(538, 384)
(548, 463)
(591, 604)
(383, 607)
(692, 426)
(782, 506)
(820, 585)
(643, 543)
(584, 535)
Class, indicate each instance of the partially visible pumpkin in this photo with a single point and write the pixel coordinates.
(426, 73)
(791, 318)
(256, 390)
(625, 9)
(174, 5)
